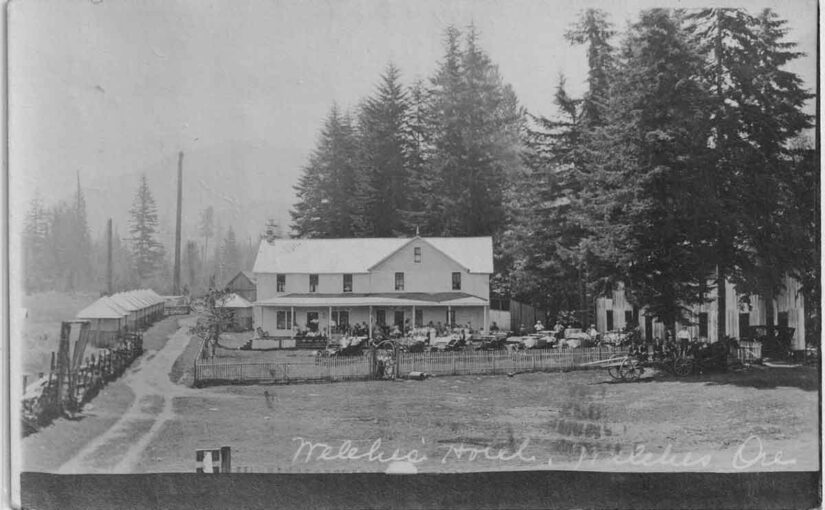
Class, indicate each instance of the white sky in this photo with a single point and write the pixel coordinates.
(113, 88)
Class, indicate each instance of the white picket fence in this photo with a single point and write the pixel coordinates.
(362, 368)
(501, 362)
(749, 352)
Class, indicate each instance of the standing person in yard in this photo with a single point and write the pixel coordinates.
(593, 332)
(683, 339)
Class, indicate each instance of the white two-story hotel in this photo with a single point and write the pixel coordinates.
(327, 284)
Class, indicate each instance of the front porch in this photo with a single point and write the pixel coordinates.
(301, 316)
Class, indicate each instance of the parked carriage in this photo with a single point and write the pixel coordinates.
(698, 359)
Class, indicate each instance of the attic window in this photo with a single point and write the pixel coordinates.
(417, 254)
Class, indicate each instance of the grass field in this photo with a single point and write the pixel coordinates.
(447, 419)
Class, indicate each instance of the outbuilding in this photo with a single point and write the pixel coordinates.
(241, 311)
(107, 322)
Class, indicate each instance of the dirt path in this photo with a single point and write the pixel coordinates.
(119, 448)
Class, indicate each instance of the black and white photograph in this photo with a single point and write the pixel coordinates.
(413, 254)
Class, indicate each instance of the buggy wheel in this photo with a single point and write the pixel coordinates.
(630, 370)
(683, 367)
(613, 369)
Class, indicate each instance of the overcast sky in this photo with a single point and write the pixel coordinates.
(114, 88)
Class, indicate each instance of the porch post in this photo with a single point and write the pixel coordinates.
(329, 323)
(486, 320)
(370, 324)
(291, 313)
(413, 316)
(449, 317)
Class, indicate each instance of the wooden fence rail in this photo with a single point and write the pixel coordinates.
(434, 363)
(363, 367)
(45, 400)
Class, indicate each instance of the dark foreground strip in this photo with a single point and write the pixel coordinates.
(525, 489)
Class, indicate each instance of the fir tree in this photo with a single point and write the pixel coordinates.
(148, 252)
(386, 150)
(328, 204)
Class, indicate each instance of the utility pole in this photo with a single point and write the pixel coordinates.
(176, 277)
(109, 257)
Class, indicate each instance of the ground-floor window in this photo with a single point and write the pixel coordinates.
(744, 324)
(284, 320)
(340, 319)
(609, 320)
(399, 319)
(419, 318)
(628, 317)
(312, 321)
(381, 317)
(703, 325)
(450, 318)
(782, 320)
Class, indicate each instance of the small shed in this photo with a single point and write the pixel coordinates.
(107, 321)
(135, 319)
(241, 311)
(245, 285)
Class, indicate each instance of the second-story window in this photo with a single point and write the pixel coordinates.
(281, 283)
(399, 281)
(417, 254)
(313, 283)
(456, 281)
(347, 283)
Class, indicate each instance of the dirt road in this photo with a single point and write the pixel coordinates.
(119, 448)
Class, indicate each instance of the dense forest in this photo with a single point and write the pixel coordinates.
(683, 163)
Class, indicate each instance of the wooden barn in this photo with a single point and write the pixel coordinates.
(245, 285)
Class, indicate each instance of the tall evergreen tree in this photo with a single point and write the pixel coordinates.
(386, 151)
(206, 228)
(35, 243)
(550, 242)
(645, 201)
(231, 254)
(143, 228)
(757, 110)
(82, 243)
(475, 124)
(328, 204)
(595, 31)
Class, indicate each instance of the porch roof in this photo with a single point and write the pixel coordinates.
(376, 299)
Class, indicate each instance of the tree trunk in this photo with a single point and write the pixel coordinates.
(769, 312)
(721, 304)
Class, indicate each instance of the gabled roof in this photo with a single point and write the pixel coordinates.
(236, 301)
(359, 255)
(128, 302)
(103, 308)
(250, 276)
